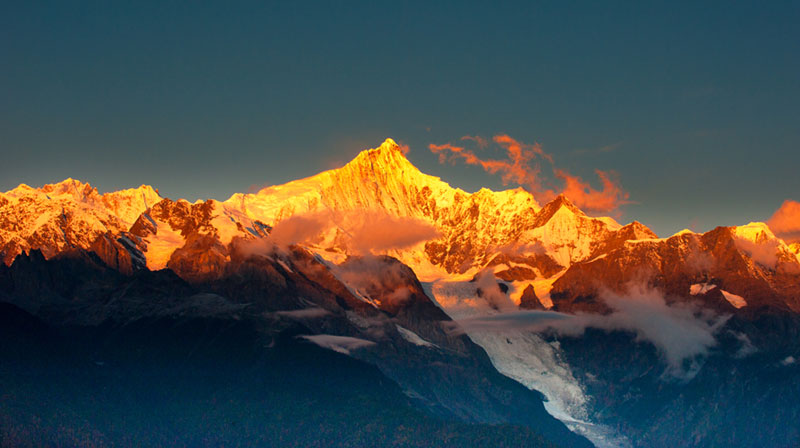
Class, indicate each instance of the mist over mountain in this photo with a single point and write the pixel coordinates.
(374, 305)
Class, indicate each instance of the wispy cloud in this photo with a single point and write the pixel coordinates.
(521, 165)
(363, 232)
(378, 278)
(378, 232)
(582, 194)
(682, 333)
(490, 290)
(301, 228)
(764, 253)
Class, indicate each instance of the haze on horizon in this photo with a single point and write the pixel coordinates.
(694, 107)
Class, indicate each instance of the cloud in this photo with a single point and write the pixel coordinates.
(681, 332)
(491, 292)
(303, 228)
(515, 169)
(340, 344)
(362, 232)
(764, 253)
(378, 278)
(785, 222)
(481, 142)
(518, 149)
(746, 347)
(521, 166)
(585, 196)
(245, 248)
(376, 232)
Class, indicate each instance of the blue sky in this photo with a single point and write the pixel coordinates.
(698, 100)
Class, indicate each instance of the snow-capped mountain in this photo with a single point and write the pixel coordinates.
(69, 214)
(383, 180)
(477, 262)
(475, 227)
(745, 261)
(525, 244)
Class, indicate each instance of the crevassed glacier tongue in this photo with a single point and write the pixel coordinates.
(528, 359)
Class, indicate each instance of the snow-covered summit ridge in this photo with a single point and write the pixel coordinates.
(383, 179)
(505, 229)
(379, 178)
(474, 227)
(66, 215)
(756, 232)
(135, 198)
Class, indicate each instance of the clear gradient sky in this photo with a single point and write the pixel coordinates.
(695, 105)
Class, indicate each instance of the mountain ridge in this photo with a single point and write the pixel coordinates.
(74, 255)
(476, 230)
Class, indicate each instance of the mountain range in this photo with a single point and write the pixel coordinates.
(414, 311)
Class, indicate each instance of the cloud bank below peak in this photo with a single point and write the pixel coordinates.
(682, 333)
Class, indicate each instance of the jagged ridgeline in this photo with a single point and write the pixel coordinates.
(376, 305)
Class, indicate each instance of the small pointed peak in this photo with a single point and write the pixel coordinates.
(561, 201)
(388, 154)
(144, 193)
(635, 225)
(551, 208)
(529, 300)
(637, 231)
(74, 187)
(149, 190)
(389, 144)
(70, 182)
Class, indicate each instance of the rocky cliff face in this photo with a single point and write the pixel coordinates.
(474, 227)
(747, 261)
(383, 179)
(385, 321)
(66, 215)
(556, 245)
(795, 249)
(86, 259)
